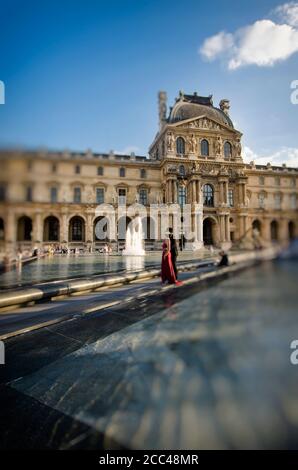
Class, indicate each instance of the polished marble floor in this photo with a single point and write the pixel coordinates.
(208, 371)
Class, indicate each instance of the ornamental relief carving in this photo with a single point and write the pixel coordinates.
(204, 123)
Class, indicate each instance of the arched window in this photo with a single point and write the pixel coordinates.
(181, 170)
(205, 147)
(208, 194)
(24, 229)
(122, 172)
(100, 171)
(77, 229)
(51, 229)
(227, 150)
(180, 146)
(274, 230)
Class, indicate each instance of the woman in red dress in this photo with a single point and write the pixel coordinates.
(167, 270)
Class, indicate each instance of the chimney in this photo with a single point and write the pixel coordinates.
(225, 106)
(162, 108)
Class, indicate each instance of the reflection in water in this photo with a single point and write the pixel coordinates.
(62, 267)
(134, 263)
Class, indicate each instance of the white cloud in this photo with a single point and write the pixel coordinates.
(288, 13)
(216, 45)
(263, 43)
(288, 155)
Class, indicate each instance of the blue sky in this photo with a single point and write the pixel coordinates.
(86, 74)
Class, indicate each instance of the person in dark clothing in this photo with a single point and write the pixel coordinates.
(174, 251)
(224, 261)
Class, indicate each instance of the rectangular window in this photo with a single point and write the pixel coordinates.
(143, 199)
(261, 180)
(2, 193)
(77, 195)
(277, 201)
(29, 194)
(122, 196)
(293, 182)
(293, 201)
(100, 195)
(277, 181)
(53, 194)
(77, 169)
(231, 198)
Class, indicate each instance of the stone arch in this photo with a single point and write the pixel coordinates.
(274, 230)
(101, 228)
(257, 225)
(210, 230)
(2, 229)
(149, 225)
(51, 229)
(291, 230)
(122, 225)
(24, 229)
(76, 229)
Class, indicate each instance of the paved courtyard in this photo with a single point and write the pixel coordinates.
(192, 369)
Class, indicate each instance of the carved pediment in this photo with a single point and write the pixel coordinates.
(203, 123)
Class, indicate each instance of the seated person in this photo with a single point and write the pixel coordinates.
(224, 261)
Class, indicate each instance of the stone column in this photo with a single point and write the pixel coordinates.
(89, 228)
(10, 228)
(37, 229)
(198, 188)
(226, 192)
(222, 228)
(170, 191)
(227, 227)
(64, 229)
(194, 192)
(266, 234)
(175, 197)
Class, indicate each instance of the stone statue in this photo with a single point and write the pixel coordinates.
(170, 142)
(114, 196)
(238, 148)
(192, 143)
(205, 123)
(218, 146)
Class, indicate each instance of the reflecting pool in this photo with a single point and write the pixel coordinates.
(62, 267)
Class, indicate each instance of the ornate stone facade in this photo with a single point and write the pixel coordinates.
(195, 159)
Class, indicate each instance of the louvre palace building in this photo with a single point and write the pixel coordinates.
(195, 160)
